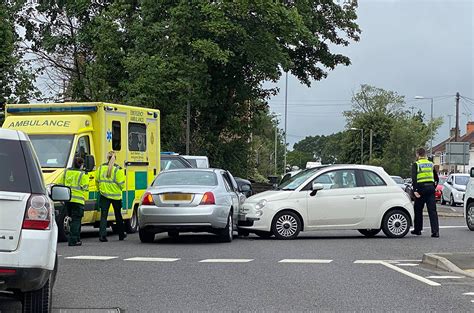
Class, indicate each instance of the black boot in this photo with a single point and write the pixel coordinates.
(103, 239)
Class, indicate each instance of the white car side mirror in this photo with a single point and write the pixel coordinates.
(60, 193)
(317, 186)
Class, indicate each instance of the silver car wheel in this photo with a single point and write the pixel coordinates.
(231, 226)
(286, 225)
(397, 224)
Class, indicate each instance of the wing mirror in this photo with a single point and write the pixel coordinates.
(472, 172)
(60, 193)
(89, 163)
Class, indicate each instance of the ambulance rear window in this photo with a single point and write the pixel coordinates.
(137, 137)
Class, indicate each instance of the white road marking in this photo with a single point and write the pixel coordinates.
(309, 261)
(226, 261)
(146, 259)
(91, 257)
(402, 271)
(444, 277)
(468, 293)
(408, 264)
(452, 209)
(447, 227)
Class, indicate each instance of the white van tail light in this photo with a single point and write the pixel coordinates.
(38, 213)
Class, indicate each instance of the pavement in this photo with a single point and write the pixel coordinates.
(330, 271)
(447, 211)
(457, 262)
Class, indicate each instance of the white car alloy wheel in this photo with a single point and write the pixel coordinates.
(396, 224)
(470, 216)
(286, 225)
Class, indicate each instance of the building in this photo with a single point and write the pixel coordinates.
(439, 152)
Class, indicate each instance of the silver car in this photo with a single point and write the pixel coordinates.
(190, 200)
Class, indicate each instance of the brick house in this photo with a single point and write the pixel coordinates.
(439, 151)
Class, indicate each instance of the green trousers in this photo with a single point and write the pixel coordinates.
(75, 212)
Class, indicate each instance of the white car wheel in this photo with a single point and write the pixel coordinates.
(396, 224)
(286, 225)
(470, 216)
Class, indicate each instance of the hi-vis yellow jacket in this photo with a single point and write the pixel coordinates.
(78, 181)
(110, 187)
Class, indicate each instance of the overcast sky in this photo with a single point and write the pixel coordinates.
(414, 47)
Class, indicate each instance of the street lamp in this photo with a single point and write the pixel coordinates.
(286, 115)
(431, 121)
(361, 143)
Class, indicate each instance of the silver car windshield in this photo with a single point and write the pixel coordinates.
(52, 150)
(186, 178)
(295, 181)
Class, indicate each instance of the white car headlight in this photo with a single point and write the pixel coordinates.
(260, 204)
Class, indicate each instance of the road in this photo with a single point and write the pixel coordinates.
(322, 271)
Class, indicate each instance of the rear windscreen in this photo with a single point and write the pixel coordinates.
(194, 178)
(13, 170)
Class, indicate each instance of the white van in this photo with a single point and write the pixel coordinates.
(28, 232)
(197, 161)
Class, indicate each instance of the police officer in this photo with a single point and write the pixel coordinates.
(111, 181)
(424, 180)
(78, 181)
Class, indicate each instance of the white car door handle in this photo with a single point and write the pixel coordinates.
(358, 197)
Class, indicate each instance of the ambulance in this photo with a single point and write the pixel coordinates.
(61, 131)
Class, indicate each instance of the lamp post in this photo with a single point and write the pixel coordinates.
(286, 115)
(361, 143)
(431, 121)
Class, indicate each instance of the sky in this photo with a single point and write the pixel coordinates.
(413, 47)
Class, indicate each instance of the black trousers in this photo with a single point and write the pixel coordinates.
(104, 204)
(427, 196)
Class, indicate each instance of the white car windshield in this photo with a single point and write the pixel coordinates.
(295, 181)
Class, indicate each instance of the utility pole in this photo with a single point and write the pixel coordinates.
(456, 134)
(276, 145)
(188, 127)
(370, 147)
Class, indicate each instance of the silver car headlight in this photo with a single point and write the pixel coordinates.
(260, 204)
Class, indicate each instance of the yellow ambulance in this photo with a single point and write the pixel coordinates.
(61, 131)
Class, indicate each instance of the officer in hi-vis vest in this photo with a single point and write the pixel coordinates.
(78, 181)
(424, 180)
(110, 180)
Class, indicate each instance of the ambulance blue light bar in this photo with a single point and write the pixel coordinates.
(32, 109)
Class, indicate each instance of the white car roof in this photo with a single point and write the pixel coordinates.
(11, 134)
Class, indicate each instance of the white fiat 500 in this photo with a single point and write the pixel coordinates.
(358, 197)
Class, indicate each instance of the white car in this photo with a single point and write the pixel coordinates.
(28, 232)
(469, 202)
(454, 189)
(359, 197)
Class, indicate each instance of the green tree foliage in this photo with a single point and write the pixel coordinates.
(326, 149)
(298, 158)
(16, 80)
(215, 54)
(396, 133)
(372, 108)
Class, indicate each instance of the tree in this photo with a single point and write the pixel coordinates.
(215, 54)
(16, 80)
(372, 109)
(408, 133)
